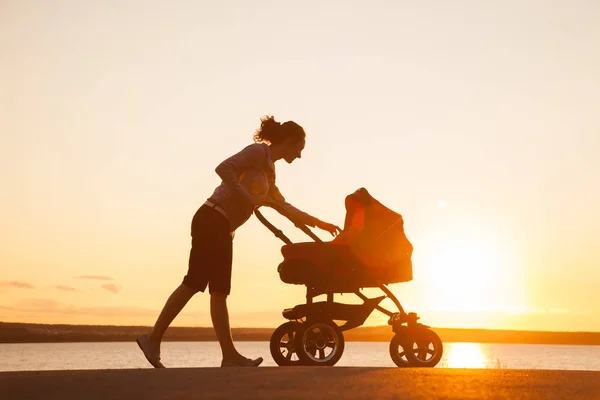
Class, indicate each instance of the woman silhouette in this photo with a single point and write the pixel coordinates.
(248, 182)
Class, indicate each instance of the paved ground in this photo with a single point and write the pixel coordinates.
(312, 383)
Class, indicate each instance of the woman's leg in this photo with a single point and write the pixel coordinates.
(220, 319)
(150, 343)
(178, 299)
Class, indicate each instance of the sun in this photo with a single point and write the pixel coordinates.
(463, 271)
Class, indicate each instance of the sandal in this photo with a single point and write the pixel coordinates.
(144, 345)
(243, 362)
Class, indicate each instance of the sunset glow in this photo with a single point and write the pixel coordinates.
(466, 355)
(478, 124)
(466, 273)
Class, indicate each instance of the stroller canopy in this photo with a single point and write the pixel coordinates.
(375, 235)
(371, 250)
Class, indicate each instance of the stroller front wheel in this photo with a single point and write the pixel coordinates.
(319, 343)
(282, 344)
(399, 347)
(417, 347)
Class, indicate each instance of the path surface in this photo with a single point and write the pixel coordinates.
(312, 383)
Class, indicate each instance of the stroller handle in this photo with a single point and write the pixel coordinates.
(278, 233)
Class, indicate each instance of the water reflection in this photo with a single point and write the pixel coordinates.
(466, 355)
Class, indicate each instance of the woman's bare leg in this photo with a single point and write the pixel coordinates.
(178, 299)
(220, 319)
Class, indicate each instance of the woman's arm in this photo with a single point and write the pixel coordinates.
(300, 216)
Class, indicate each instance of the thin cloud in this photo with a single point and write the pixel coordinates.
(96, 277)
(48, 305)
(111, 287)
(17, 284)
(66, 288)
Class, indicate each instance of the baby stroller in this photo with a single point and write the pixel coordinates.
(371, 252)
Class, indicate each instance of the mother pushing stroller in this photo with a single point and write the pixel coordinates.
(248, 182)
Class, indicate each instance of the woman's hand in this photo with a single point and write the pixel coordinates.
(331, 228)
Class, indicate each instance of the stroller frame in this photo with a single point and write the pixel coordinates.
(414, 344)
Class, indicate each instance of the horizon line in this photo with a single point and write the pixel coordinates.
(269, 327)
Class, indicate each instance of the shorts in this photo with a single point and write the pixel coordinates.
(211, 255)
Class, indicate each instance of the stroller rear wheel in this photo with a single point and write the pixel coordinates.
(282, 344)
(418, 347)
(319, 343)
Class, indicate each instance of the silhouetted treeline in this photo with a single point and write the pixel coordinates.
(40, 333)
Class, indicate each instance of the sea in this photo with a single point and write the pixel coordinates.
(126, 355)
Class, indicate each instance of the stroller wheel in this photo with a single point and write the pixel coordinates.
(319, 343)
(282, 344)
(427, 347)
(421, 347)
(398, 351)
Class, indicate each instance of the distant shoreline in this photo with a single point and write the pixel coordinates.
(14, 332)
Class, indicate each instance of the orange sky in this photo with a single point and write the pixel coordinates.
(479, 122)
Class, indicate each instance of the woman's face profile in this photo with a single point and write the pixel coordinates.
(293, 150)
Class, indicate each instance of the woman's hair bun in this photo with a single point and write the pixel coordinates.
(269, 131)
(273, 132)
